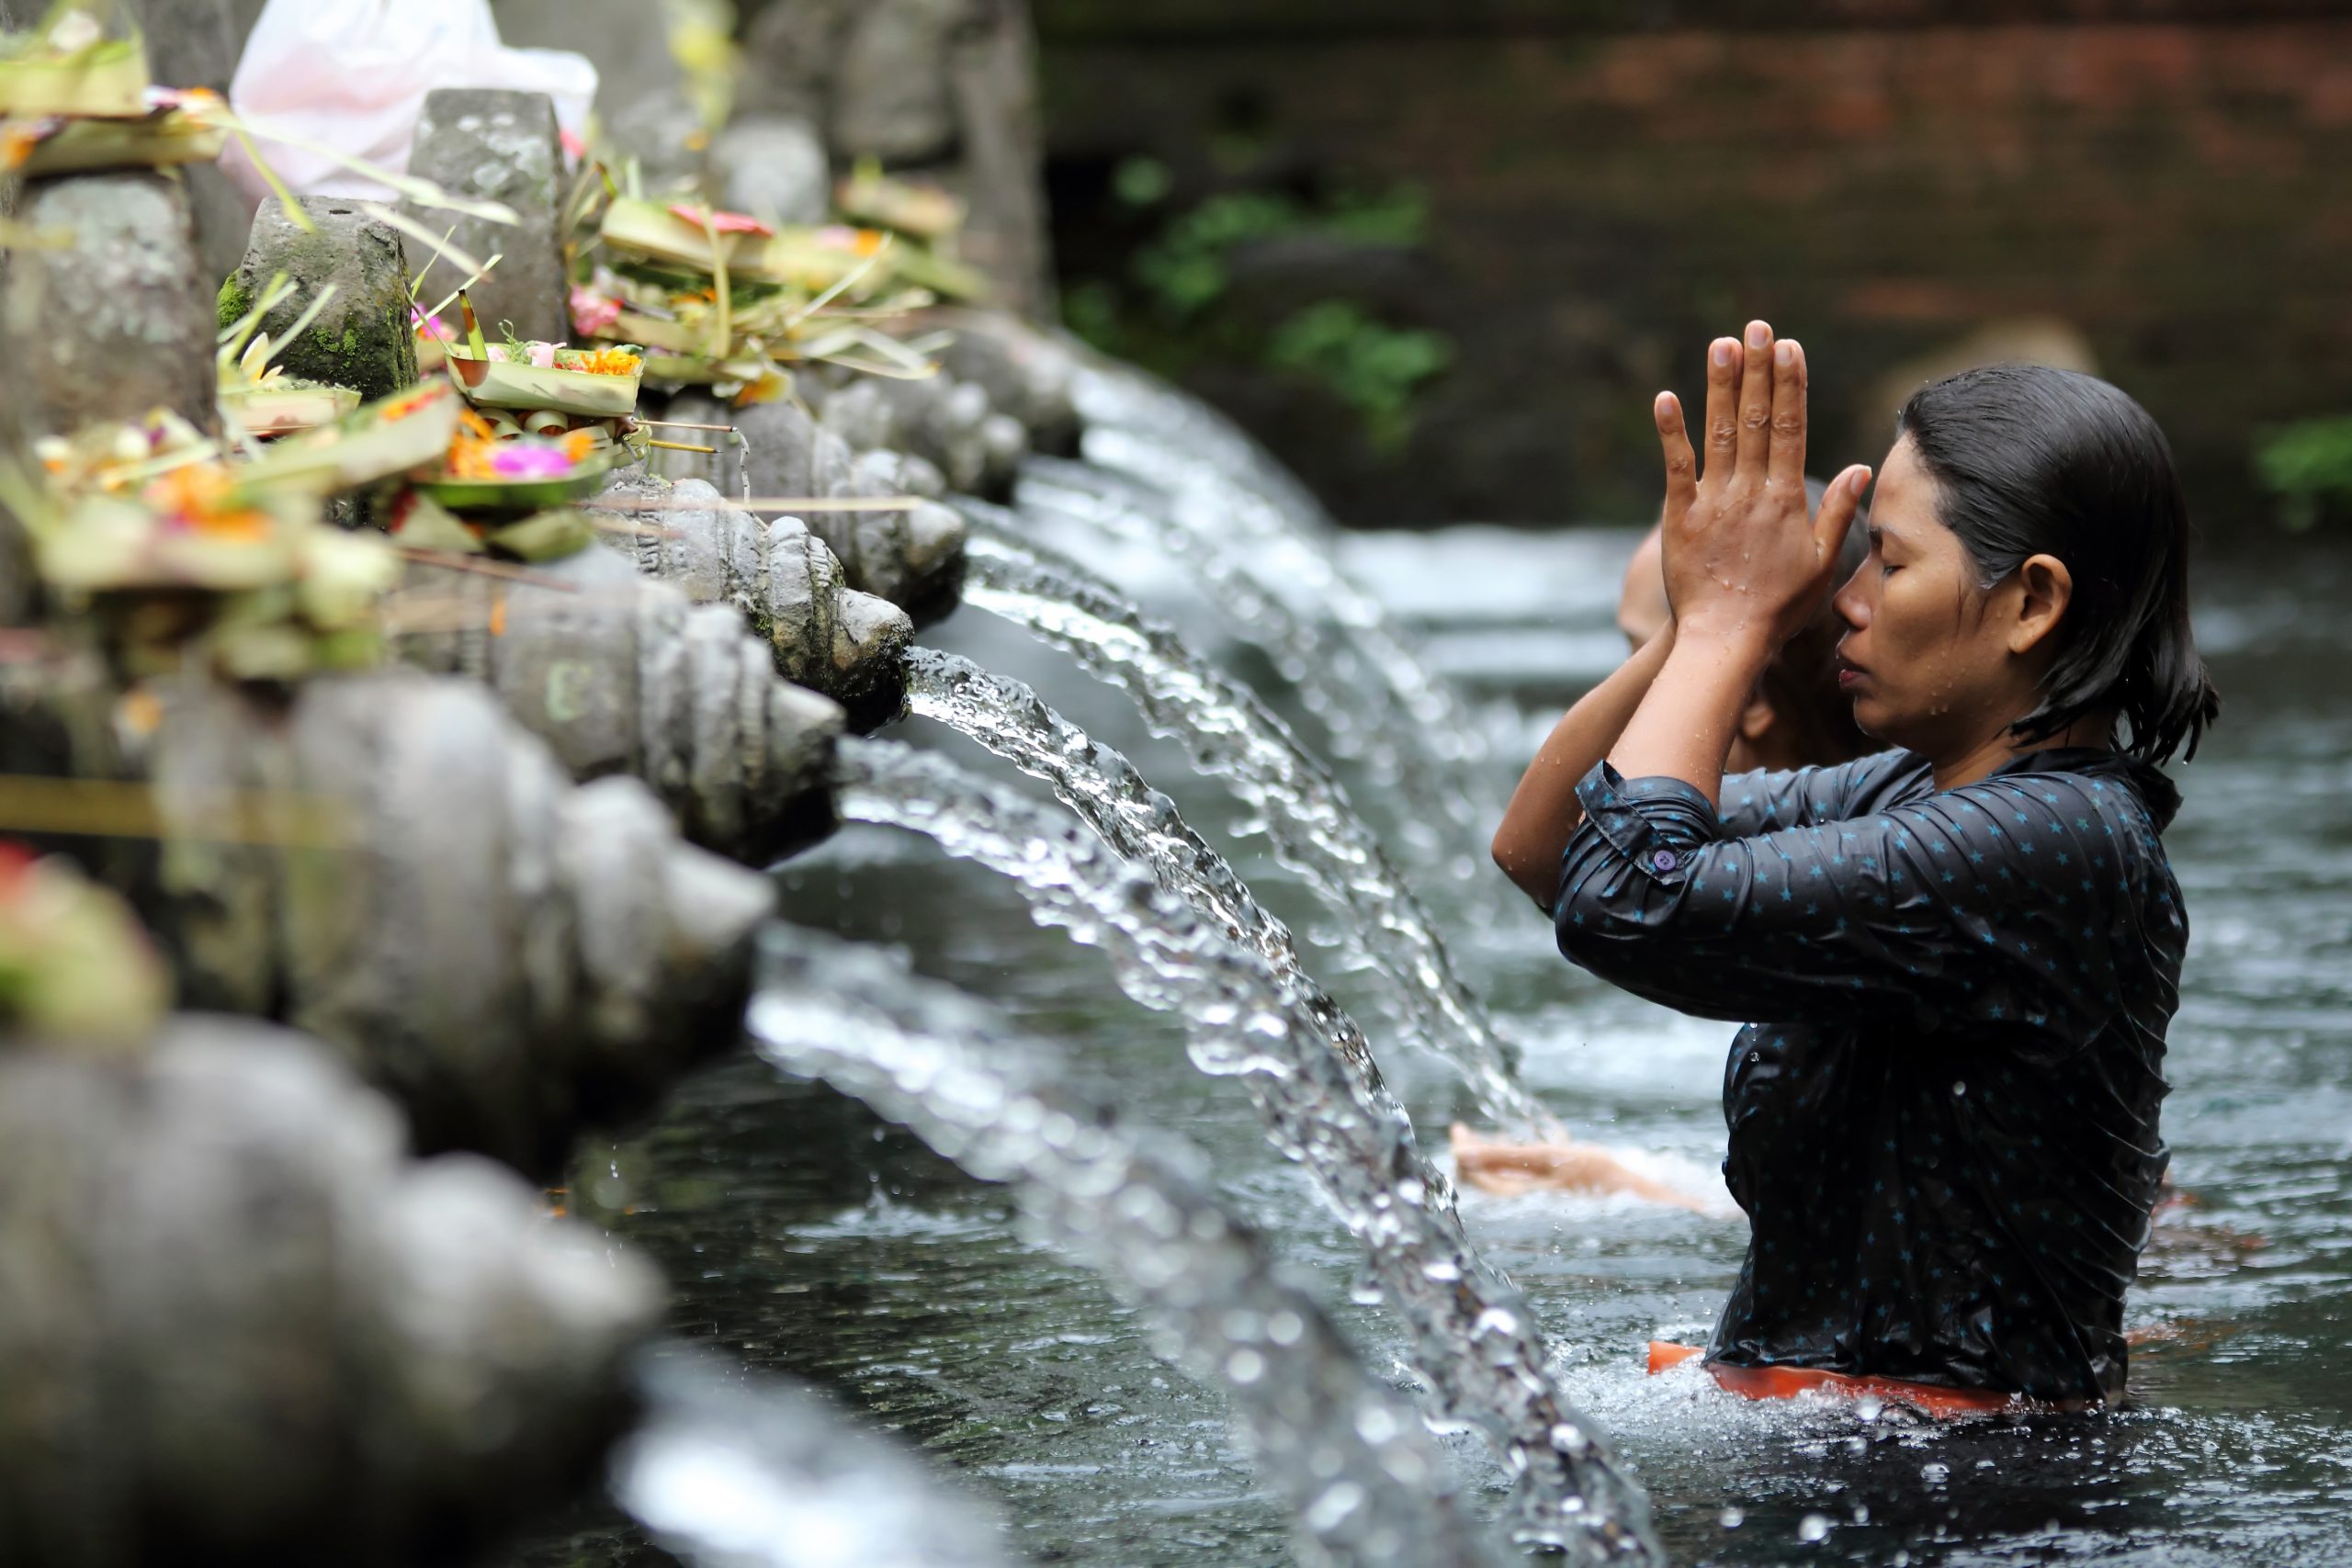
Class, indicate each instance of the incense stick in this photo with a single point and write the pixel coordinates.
(766, 504)
(452, 562)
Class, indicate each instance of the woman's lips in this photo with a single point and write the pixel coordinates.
(1850, 675)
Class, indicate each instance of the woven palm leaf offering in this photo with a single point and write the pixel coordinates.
(585, 384)
(182, 560)
(495, 466)
(724, 300)
(79, 60)
(75, 97)
(404, 437)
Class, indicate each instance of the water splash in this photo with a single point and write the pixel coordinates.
(1370, 1489)
(1305, 813)
(1142, 825)
(1365, 718)
(727, 1472)
(1472, 1338)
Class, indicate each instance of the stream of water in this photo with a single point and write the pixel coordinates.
(1303, 810)
(1366, 1488)
(1366, 718)
(733, 1473)
(1472, 1343)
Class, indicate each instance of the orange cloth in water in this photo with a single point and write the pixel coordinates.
(1787, 1382)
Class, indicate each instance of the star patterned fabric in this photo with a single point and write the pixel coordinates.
(1944, 1106)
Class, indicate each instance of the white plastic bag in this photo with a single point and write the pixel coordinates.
(353, 74)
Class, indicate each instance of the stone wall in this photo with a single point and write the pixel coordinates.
(2154, 182)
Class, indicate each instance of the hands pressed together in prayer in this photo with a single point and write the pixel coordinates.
(1747, 566)
(1742, 560)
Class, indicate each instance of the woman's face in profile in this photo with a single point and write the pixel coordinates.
(1921, 659)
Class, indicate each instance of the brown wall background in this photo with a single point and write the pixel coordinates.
(1611, 183)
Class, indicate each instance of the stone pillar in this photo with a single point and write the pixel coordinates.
(500, 146)
(942, 90)
(114, 321)
(642, 102)
(195, 43)
(364, 338)
(773, 167)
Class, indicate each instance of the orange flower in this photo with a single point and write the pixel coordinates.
(196, 494)
(609, 362)
(18, 139)
(403, 407)
(578, 445)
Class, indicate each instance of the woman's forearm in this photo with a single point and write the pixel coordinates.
(1684, 725)
(1543, 810)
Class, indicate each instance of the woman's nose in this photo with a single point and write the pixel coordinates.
(1850, 601)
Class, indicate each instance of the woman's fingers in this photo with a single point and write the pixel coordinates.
(1755, 405)
(1681, 463)
(1839, 504)
(1723, 407)
(1785, 465)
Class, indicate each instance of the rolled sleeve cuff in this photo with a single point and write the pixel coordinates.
(1658, 825)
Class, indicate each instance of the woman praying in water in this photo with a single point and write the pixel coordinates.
(1956, 960)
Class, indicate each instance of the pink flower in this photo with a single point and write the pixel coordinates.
(430, 326)
(592, 312)
(542, 354)
(725, 223)
(517, 462)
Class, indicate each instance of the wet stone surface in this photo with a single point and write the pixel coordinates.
(499, 146)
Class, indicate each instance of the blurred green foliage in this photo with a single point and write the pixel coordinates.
(2308, 465)
(1373, 368)
(1174, 304)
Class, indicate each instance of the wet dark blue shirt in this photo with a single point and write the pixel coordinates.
(1943, 1108)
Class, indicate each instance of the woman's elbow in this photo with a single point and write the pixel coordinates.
(1518, 861)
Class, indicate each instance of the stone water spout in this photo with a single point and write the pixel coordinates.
(1367, 1485)
(791, 588)
(913, 558)
(387, 861)
(623, 675)
(243, 1324)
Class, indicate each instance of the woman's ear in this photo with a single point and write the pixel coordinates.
(2044, 589)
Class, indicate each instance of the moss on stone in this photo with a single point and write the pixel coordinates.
(363, 339)
(233, 302)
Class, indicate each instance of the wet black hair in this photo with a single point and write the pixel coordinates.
(2028, 460)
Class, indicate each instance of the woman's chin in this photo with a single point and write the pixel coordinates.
(1871, 718)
